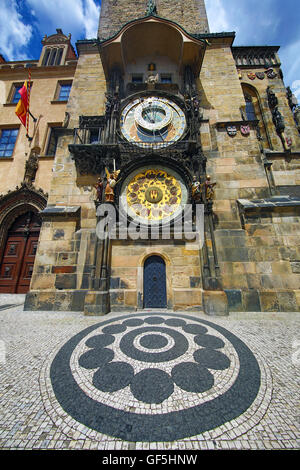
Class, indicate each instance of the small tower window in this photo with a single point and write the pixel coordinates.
(166, 78)
(46, 56)
(137, 78)
(250, 111)
(59, 56)
(52, 57)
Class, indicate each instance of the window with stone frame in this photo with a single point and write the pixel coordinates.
(14, 95)
(250, 110)
(63, 91)
(52, 140)
(52, 56)
(8, 137)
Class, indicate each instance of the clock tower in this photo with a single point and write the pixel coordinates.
(163, 161)
(190, 14)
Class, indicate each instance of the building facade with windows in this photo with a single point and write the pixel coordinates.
(26, 162)
(166, 122)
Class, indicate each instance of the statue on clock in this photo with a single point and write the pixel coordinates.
(112, 179)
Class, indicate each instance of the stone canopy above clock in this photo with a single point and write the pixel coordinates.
(151, 39)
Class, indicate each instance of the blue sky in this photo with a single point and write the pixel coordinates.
(23, 23)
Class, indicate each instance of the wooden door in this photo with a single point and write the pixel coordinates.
(19, 254)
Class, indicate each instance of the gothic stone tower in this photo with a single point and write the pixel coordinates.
(166, 104)
(189, 15)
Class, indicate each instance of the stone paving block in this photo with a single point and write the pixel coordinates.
(258, 346)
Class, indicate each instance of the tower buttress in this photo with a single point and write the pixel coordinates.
(190, 14)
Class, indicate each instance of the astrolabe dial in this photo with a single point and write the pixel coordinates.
(152, 121)
(153, 194)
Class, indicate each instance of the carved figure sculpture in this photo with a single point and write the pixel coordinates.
(152, 79)
(31, 167)
(196, 189)
(111, 183)
(151, 8)
(209, 189)
(99, 189)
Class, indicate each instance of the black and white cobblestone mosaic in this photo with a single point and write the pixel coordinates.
(158, 377)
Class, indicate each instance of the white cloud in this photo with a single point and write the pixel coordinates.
(79, 17)
(217, 22)
(289, 56)
(258, 22)
(15, 35)
(250, 20)
(91, 19)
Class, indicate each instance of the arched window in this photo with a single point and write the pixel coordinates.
(253, 111)
(46, 56)
(250, 111)
(59, 56)
(52, 56)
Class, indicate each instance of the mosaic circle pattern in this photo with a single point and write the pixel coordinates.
(155, 377)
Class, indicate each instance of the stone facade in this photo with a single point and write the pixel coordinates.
(250, 257)
(26, 170)
(189, 14)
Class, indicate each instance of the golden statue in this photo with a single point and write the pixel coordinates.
(209, 189)
(197, 189)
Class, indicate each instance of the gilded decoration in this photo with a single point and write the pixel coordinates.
(154, 194)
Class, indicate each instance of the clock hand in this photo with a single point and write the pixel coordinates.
(149, 117)
(161, 136)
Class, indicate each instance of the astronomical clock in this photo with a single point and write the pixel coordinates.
(152, 121)
(153, 193)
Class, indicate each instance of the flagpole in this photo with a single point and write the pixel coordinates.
(27, 111)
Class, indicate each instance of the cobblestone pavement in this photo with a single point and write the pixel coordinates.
(148, 380)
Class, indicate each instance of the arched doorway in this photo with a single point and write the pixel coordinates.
(155, 284)
(19, 254)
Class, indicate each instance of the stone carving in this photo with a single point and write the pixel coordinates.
(260, 75)
(271, 74)
(151, 8)
(251, 75)
(31, 166)
(66, 119)
(278, 121)
(231, 131)
(277, 117)
(196, 189)
(272, 99)
(297, 116)
(209, 189)
(151, 81)
(99, 189)
(245, 130)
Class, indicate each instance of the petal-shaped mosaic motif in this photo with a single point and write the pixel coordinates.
(154, 377)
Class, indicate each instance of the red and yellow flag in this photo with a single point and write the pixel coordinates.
(22, 106)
